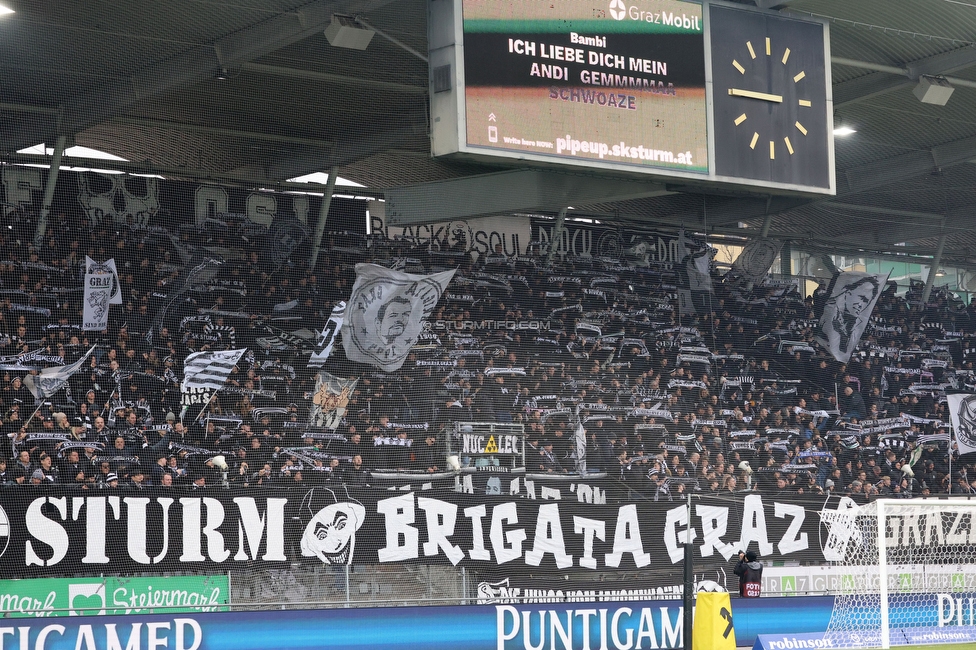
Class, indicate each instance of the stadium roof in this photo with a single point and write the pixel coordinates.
(250, 91)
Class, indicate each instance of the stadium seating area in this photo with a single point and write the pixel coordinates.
(737, 399)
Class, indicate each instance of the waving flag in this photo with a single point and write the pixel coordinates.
(51, 380)
(326, 339)
(846, 313)
(962, 415)
(204, 373)
(385, 313)
(330, 399)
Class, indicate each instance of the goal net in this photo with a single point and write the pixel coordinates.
(912, 577)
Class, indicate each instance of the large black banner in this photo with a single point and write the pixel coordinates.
(142, 202)
(56, 532)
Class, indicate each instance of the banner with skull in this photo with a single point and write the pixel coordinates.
(962, 415)
(329, 400)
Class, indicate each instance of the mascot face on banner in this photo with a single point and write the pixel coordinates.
(330, 534)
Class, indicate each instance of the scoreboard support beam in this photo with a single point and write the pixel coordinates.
(509, 191)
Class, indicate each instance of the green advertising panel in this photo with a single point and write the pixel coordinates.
(43, 597)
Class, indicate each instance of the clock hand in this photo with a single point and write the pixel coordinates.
(754, 95)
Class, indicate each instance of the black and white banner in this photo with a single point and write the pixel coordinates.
(694, 282)
(756, 257)
(327, 338)
(51, 380)
(55, 532)
(329, 400)
(204, 373)
(852, 296)
(102, 289)
(197, 273)
(385, 313)
(962, 415)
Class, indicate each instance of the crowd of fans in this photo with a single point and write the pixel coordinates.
(735, 399)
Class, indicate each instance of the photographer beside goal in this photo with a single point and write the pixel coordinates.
(749, 570)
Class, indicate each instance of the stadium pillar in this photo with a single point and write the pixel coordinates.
(936, 262)
(767, 222)
(323, 216)
(557, 236)
(52, 180)
(688, 590)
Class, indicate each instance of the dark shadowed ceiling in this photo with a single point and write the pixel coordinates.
(141, 80)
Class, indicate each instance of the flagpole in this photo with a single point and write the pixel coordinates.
(953, 434)
(27, 421)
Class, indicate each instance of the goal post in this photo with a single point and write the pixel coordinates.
(909, 572)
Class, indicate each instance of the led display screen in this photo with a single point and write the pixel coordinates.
(618, 81)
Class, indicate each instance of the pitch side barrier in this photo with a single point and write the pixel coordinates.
(623, 625)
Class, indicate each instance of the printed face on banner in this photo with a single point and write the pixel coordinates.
(383, 327)
(385, 313)
(330, 534)
(330, 399)
(847, 310)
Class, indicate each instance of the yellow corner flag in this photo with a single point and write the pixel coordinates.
(713, 628)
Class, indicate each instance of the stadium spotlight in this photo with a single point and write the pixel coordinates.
(933, 90)
(5, 10)
(842, 128)
(346, 32)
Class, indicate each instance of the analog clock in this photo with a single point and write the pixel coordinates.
(769, 89)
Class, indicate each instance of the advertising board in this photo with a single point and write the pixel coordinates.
(44, 597)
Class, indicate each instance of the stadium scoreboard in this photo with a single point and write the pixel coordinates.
(712, 93)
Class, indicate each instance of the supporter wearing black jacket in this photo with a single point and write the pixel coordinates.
(749, 571)
(356, 474)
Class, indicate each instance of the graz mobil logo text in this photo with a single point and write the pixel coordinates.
(619, 11)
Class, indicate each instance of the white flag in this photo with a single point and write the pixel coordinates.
(386, 312)
(326, 340)
(101, 290)
(962, 415)
(205, 372)
(756, 257)
(846, 313)
(51, 380)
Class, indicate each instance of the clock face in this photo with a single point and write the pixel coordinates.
(770, 99)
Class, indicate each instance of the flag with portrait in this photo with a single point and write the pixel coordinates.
(851, 299)
(385, 314)
(694, 280)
